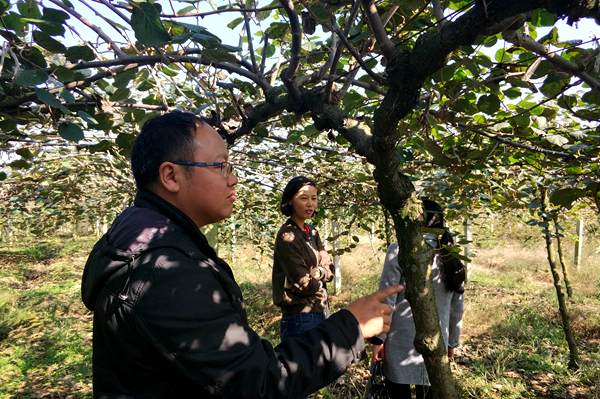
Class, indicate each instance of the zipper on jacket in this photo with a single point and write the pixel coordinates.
(122, 295)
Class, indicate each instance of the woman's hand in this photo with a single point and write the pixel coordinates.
(378, 352)
(324, 258)
(326, 263)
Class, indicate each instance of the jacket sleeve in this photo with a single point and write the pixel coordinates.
(391, 275)
(325, 260)
(295, 265)
(192, 320)
(455, 320)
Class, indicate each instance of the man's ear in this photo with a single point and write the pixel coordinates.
(170, 177)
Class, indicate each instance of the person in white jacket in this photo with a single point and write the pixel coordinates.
(403, 366)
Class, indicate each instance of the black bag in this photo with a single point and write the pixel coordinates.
(454, 272)
(376, 388)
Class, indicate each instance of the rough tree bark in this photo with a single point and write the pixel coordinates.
(565, 268)
(562, 304)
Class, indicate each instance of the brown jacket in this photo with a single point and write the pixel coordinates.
(300, 272)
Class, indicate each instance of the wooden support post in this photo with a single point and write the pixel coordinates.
(578, 245)
(337, 262)
(468, 234)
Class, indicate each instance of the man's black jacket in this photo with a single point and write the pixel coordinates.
(169, 319)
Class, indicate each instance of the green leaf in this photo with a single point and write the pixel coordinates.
(231, 49)
(567, 102)
(575, 170)
(170, 70)
(185, 10)
(235, 23)
(50, 27)
(125, 140)
(552, 88)
(489, 104)
(503, 56)
(121, 94)
(50, 99)
(70, 131)
(67, 96)
(541, 17)
(566, 196)
(4, 6)
(146, 85)
(270, 51)
(123, 78)
(19, 164)
(146, 23)
(197, 29)
(24, 153)
(90, 120)
(556, 139)
(49, 43)
(550, 38)
(352, 100)
(76, 53)
(464, 105)
(218, 55)
(512, 92)
(277, 30)
(522, 120)
(64, 74)
(206, 40)
(52, 14)
(29, 9)
(490, 41)
(31, 77)
(14, 22)
(592, 97)
(34, 57)
(320, 12)
(3, 176)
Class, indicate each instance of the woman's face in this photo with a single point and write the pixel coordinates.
(304, 202)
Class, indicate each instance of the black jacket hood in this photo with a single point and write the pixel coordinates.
(140, 228)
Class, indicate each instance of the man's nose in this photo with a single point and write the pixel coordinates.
(232, 179)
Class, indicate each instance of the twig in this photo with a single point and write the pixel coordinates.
(336, 50)
(511, 143)
(386, 45)
(263, 58)
(250, 45)
(356, 55)
(294, 62)
(204, 14)
(114, 9)
(528, 43)
(93, 27)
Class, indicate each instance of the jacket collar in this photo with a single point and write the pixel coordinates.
(148, 199)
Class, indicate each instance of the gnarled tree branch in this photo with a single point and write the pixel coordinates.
(522, 40)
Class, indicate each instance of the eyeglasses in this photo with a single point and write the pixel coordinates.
(225, 167)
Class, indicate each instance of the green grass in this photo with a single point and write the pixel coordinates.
(513, 344)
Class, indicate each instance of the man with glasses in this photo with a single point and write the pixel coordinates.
(169, 318)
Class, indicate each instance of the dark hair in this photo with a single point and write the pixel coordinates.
(453, 270)
(291, 188)
(434, 214)
(163, 138)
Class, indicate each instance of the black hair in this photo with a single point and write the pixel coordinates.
(291, 188)
(453, 270)
(167, 137)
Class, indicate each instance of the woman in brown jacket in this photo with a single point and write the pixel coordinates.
(301, 266)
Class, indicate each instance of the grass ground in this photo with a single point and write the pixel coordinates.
(512, 345)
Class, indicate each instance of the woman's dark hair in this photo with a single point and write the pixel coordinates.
(163, 138)
(291, 188)
(453, 270)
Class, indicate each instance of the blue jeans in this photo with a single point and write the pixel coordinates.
(293, 325)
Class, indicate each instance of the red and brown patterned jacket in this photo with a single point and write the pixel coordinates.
(301, 269)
